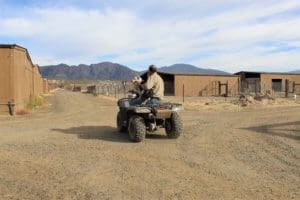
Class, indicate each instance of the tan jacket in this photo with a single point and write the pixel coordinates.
(156, 83)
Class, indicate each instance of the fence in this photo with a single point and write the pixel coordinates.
(110, 88)
(293, 87)
(218, 88)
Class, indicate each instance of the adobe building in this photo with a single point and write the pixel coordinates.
(19, 78)
(257, 82)
(179, 84)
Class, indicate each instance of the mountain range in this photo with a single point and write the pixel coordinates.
(100, 71)
(112, 71)
(189, 69)
(296, 71)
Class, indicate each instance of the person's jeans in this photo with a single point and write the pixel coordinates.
(135, 101)
(154, 101)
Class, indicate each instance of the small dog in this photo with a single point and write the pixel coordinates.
(137, 84)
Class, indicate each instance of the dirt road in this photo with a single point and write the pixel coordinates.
(71, 150)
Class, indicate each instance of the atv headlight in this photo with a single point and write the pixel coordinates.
(142, 110)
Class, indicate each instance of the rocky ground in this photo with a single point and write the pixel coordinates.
(71, 150)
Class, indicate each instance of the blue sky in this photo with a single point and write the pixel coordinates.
(230, 35)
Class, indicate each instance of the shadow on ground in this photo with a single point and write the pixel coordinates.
(156, 136)
(289, 130)
(106, 133)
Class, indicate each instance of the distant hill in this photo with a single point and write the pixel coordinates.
(113, 71)
(100, 71)
(296, 71)
(189, 69)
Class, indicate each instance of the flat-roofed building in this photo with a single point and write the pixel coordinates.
(272, 81)
(19, 78)
(199, 84)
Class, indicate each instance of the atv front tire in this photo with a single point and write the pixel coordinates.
(137, 129)
(174, 126)
(120, 126)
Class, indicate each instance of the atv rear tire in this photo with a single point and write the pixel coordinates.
(120, 126)
(137, 129)
(174, 126)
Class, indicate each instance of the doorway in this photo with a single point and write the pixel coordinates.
(277, 85)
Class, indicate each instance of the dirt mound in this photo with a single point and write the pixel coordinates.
(248, 99)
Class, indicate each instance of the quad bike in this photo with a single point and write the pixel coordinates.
(139, 115)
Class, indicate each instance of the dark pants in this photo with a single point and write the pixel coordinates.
(138, 101)
(154, 101)
(135, 101)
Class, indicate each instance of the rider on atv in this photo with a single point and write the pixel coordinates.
(145, 113)
(153, 86)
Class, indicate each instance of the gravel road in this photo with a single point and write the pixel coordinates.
(71, 150)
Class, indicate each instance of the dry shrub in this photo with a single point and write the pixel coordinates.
(34, 102)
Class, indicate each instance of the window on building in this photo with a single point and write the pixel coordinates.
(277, 85)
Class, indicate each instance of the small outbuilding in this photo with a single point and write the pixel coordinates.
(257, 82)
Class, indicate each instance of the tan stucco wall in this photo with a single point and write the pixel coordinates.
(266, 80)
(19, 78)
(6, 70)
(22, 77)
(38, 81)
(204, 85)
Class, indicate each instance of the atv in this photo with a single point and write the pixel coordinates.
(138, 115)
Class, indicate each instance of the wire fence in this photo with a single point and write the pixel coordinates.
(117, 89)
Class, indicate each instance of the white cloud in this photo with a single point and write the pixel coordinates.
(233, 62)
(231, 37)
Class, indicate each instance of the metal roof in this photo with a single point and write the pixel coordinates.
(12, 46)
(196, 74)
(191, 74)
(275, 73)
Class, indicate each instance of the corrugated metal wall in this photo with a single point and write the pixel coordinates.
(19, 78)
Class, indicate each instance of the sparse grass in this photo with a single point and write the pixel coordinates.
(48, 95)
(34, 102)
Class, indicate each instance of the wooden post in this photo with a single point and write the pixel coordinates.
(239, 86)
(183, 93)
(11, 108)
(215, 88)
(227, 89)
(294, 85)
(286, 88)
